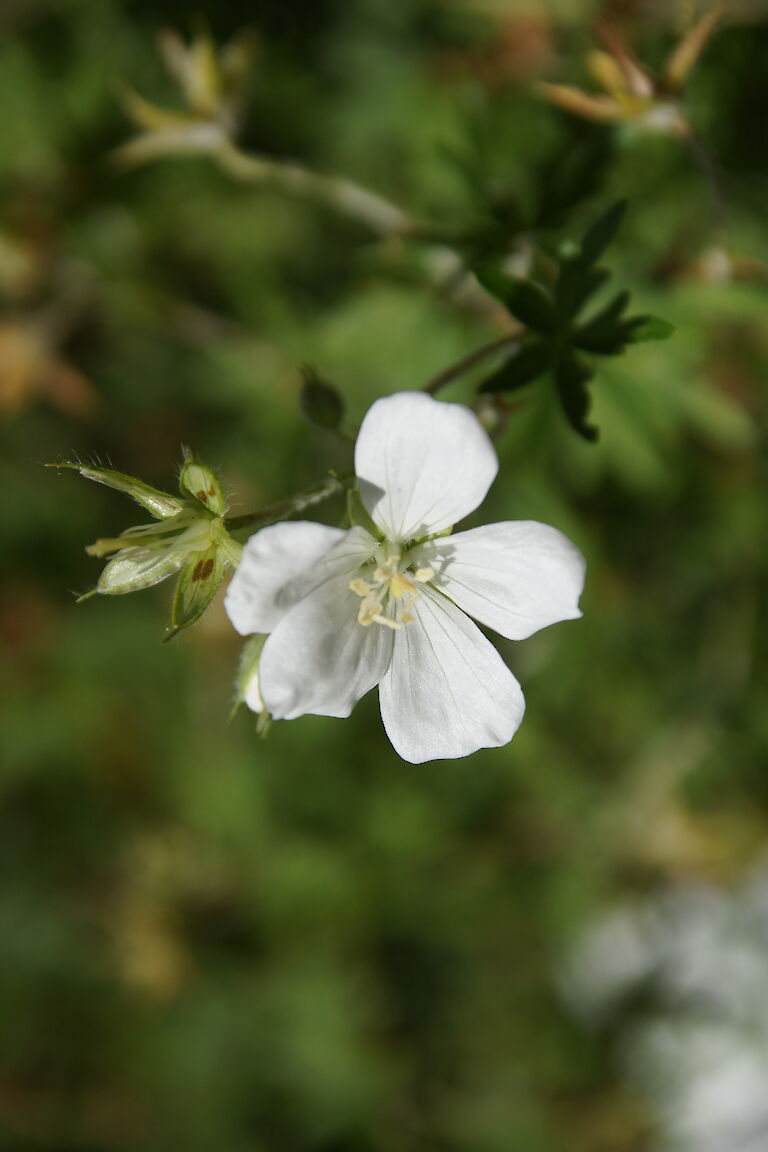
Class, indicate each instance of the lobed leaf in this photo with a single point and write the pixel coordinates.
(523, 367)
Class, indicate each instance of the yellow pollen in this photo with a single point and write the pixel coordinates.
(360, 588)
(423, 575)
(370, 610)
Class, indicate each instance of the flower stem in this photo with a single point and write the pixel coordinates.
(346, 197)
(456, 370)
(282, 509)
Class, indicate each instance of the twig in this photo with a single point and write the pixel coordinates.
(454, 371)
(282, 509)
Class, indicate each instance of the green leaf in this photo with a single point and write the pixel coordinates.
(604, 333)
(522, 367)
(158, 504)
(321, 403)
(526, 300)
(601, 234)
(571, 378)
(200, 577)
(642, 329)
(576, 282)
(199, 481)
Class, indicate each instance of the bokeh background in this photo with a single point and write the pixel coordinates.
(210, 940)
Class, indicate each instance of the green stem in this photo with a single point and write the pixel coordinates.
(455, 371)
(342, 195)
(282, 509)
(444, 266)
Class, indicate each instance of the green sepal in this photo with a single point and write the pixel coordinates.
(202, 484)
(246, 669)
(359, 516)
(159, 504)
(522, 367)
(321, 403)
(200, 578)
(527, 301)
(134, 569)
(642, 329)
(571, 378)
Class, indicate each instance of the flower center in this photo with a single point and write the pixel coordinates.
(389, 592)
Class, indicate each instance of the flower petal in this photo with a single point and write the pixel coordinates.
(319, 659)
(265, 585)
(515, 577)
(447, 691)
(422, 465)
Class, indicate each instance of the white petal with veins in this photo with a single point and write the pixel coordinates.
(319, 659)
(422, 465)
(447, 692)
(265, 585)
(516, 577)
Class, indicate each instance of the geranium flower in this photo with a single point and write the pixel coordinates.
(211, 84)
(390, 603)
(631, 95)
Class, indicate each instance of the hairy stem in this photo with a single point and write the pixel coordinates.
(456, 370)
(282, 509)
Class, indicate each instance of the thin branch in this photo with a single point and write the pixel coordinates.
(344, 196)
(282, 509)
(456, 370)
(444, 267)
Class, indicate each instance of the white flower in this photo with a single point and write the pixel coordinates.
(347, 610)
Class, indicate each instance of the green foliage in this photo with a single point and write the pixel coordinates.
(557, 334)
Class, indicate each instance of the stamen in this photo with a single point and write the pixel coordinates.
(389, 621)
(369, 610)
(400, 584)
(391, 586)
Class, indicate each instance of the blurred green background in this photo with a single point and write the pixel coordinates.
(213, 941)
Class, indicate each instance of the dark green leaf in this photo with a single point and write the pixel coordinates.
(641, 329)
(604, 334)
(527, 301)
(572, 173)
(576, 282)
(321, 403)
(600, 235)
(530, 361)
(571, 378)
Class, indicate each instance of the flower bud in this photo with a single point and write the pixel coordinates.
(189, 536)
